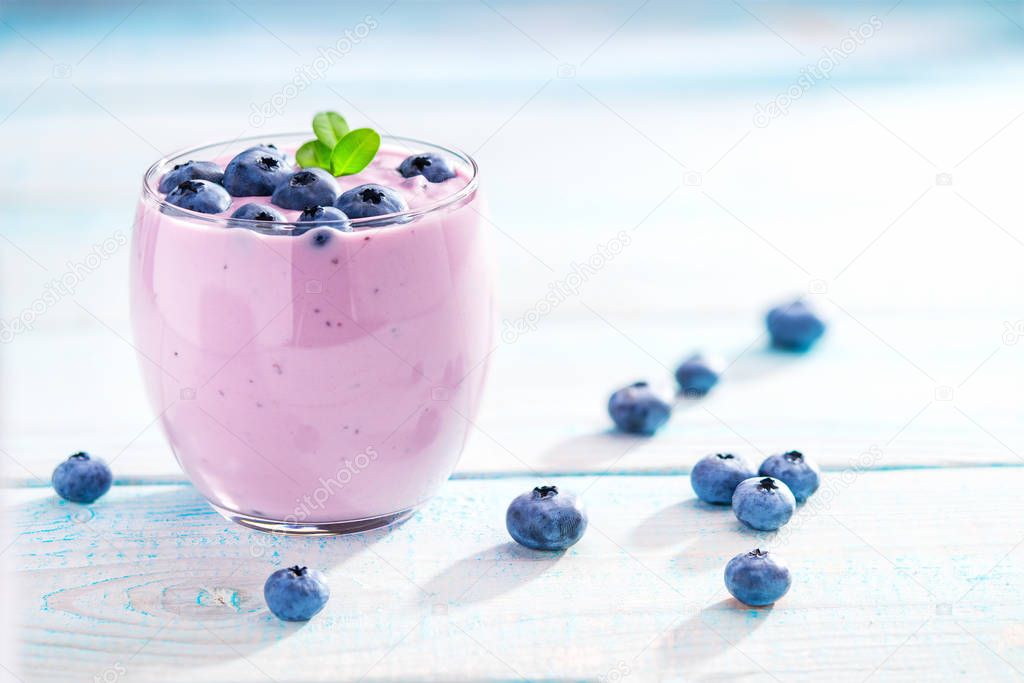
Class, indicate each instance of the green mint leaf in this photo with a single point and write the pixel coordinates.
(355, 151)
(314, 154)
(305, 155)
(323, 155)
(329, 128)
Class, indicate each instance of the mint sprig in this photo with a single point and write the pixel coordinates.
(336, 148)
(314, 153)
(329, 127)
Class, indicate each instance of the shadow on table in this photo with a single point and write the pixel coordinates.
(490, 573)
(607, 446)
(159, 567)
(694, 527)
(662, 528)
(596, 448)
(709, 633)
(759, 362)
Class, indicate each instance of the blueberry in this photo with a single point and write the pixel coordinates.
(308, 187)
(258, 212)
(715, 477)
(794, 326)
(757, 578)
(191, 170)
(433, 167)
(545, 519)
(638, 409)
(698, 374)
(296, 593)
(82, 478)
(256, 172)
(800, 475)
(319, 237)
(323, 215)
(763, 503)
(369, 200)
(200, 195)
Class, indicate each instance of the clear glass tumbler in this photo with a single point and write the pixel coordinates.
(318, 381)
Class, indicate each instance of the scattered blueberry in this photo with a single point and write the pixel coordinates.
(698, 374)
(433, 167)
(200, 195)
(757, 578)
(296, 593)
(369, 200)
(308, 187)
(794, 326)
(81, 478)
(638, 409)
(764, 503)
(191, 170)
(546, 519)
(715, 477)
(323, 215)
(801, 476)
(256, 171)
(258, 212)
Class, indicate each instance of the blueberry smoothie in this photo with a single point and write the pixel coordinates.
(314, 345)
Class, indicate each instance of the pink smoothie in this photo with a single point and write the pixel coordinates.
(314, 383)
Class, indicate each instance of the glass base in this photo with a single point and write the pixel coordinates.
(351, 526)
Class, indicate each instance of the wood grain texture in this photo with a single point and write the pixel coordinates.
(898, 576)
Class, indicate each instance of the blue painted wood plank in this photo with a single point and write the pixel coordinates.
(896, 574)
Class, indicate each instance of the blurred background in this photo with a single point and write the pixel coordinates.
(865, 154)
(862, 153)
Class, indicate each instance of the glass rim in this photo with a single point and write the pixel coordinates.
(151, 194)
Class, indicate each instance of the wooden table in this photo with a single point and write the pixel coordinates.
(898, 214)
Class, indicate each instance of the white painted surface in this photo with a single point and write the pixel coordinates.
(897, 577)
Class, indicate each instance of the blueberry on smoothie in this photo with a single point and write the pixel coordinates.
(191, 170)
(794, 326)
(256, 172)
(763, 503)
(801, 475)
(326, 218)
(308, 187)
(258, 212)
(321, 215)
(433, 167)
(546, 519)
(200, 195)
(296, 593)
(715, 477)
(81, 478)
(698, 374)
(370, 200)
(638, 409)
(757, 578)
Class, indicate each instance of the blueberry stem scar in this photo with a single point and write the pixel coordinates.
(546, 491)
